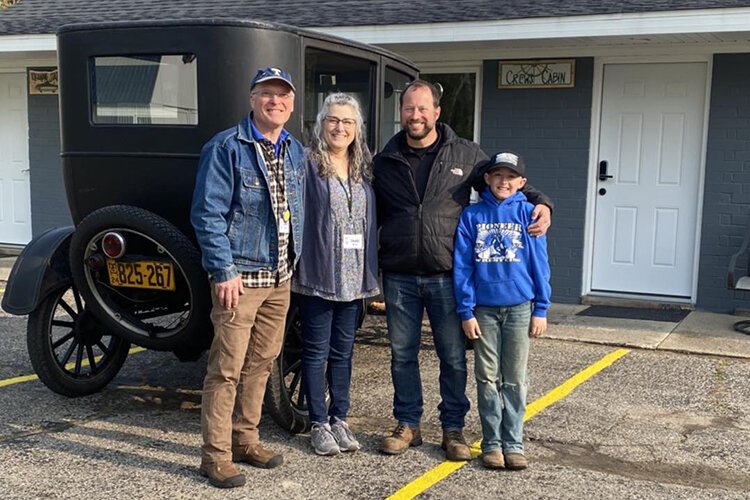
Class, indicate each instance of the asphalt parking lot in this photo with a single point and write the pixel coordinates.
(649, 424)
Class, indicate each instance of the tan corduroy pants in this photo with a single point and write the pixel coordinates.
(246, 342)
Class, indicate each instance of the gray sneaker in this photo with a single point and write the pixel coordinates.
(323, 441)
(344, 436)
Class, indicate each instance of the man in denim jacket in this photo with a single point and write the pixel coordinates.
(247, 215)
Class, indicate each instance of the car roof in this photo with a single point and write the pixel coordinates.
(224, 22)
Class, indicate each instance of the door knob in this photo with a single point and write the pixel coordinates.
(603, 171)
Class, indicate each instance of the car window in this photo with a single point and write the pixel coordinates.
(390, 123)
(145, 89)
(327, 72)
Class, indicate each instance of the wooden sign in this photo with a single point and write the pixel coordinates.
(43, 81)
(536, 74)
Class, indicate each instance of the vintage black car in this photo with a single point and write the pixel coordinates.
(137, 102)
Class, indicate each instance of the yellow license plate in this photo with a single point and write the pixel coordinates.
(141, 274)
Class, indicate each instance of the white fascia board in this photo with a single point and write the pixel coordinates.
(28, 43)
(651, 23)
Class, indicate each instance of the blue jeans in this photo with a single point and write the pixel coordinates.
(406, 298)
(328, 329)
(501, 357)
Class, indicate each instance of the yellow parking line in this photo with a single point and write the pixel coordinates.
(440, 472)
(69, 366)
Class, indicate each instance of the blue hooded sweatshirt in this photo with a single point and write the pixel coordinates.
(495, 261)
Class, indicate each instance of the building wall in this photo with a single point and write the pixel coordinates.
(49, 207)
(726, 206)
(551, 129)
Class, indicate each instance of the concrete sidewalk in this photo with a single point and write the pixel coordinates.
(700, 332)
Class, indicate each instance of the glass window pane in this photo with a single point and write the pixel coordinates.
(390, 124)
(457, 103)
(328, 72)
(145, 90)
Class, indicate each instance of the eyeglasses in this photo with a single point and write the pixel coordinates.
(334, 121)
(265, 94)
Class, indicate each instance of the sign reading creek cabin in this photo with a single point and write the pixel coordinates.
(536, 74)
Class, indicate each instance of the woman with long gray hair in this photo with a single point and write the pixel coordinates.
(338, 266)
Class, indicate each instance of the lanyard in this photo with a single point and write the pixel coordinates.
(347, 192)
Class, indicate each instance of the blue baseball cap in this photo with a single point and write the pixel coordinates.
(268, 74)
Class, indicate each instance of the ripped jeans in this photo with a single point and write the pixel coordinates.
(501, 356)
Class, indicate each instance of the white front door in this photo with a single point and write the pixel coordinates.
(15, 207)
(646, 213)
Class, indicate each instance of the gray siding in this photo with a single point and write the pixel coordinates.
(49, 207)
(726, 205)
(551, 129)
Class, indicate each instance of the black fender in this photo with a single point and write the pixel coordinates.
(42, 266)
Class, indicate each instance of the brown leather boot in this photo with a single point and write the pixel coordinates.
(455, 446)
(515, 461)
(256, 455)
(402, 438)
(493, 460)
(222, 474)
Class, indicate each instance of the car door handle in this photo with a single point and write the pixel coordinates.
(603, 171)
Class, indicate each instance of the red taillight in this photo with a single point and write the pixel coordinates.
(113, 245)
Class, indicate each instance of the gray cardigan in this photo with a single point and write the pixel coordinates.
(315, 268)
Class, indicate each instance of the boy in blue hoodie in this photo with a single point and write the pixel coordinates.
(501, 280)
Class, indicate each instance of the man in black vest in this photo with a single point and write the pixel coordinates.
(422, 183)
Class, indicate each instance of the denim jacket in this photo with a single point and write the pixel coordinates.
(232, 213)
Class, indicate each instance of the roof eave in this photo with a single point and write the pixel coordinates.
(651, 23)
(28, 43)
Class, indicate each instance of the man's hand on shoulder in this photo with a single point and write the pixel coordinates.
(542, 217)
(228, 292)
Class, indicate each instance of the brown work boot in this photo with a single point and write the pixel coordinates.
(493, 460)
(515, 461)
(222, 474)
(256, 455)
(402, 438)
(455, 446)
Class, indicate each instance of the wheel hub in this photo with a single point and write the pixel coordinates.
(88, 330)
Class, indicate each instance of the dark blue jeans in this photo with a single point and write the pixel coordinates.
(406, 298)
(328, 329)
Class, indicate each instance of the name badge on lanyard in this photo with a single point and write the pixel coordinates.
(354, 242)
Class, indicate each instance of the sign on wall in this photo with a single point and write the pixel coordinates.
(536, 74)
(43, 81)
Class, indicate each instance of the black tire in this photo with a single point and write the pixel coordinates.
(155, 319)
(71, 351)
(285, 400)
(743, 326)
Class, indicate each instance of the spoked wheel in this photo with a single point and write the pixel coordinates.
(155, 294)
(71, 351)
(285, 398)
